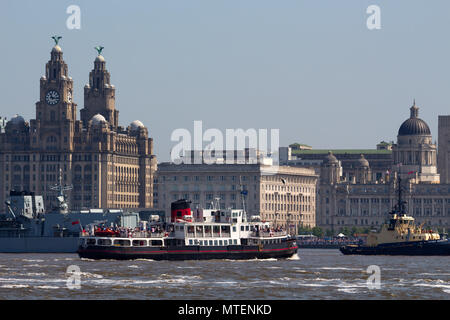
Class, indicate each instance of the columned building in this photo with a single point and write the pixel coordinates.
(365, 203)
(444, 148)
(415, 154)
(108, 166)
(285, 196)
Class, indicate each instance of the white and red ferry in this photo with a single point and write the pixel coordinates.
(208, 234)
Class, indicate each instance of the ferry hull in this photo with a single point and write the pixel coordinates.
(39, 245)
(423, 248)
(233, 252)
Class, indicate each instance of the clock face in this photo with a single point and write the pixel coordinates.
(52, 97)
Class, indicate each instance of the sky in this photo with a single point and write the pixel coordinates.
(310, 68)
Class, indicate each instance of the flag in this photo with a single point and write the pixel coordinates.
(75, 222)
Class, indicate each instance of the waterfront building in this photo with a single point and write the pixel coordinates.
(109, 166)
(415, 152)
(380, 159)
(283, 195)
(364, 202)
(444, 148)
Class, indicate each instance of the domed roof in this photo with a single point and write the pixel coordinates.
(56, 49)
(136, 124)
(100, 58)
(97, 119)
(17, 120)
(414, 125)
(330, 159)
(362, 162)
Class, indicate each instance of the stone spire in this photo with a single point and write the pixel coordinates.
(99, 94)
(56, 68)
(414, 110)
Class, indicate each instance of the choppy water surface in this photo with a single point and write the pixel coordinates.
(314, 274)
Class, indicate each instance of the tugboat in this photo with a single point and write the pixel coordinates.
(401, 236)
(210, 234)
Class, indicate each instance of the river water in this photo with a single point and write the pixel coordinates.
(313, 274)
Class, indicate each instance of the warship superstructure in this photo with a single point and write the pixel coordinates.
(27, 228)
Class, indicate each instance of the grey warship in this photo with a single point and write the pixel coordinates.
(26, 227)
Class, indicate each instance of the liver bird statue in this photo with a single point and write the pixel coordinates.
(56, 39)
(99, 49)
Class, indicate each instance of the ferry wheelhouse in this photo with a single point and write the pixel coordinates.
(202, 234)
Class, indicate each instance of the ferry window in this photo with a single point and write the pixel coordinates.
(210, 242)
(235, 241)
(247, 228)
(104, 242)
(123, 243)
(91, 242)
(139, 243)
(191, 242)
(225, 242)
(156, 243)
(181, 227)
(200, 242)
(234, 229)
(220, 242)
(215, 242)
(242, 228)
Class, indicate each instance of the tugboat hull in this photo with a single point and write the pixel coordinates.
(422, 248)
(233, 252)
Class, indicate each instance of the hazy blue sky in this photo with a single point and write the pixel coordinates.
(309, 68)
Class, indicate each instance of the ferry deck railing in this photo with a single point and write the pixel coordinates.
(266, 234)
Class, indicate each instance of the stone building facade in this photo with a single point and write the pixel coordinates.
(365, 203)
(380, 160)
(414, 153)
(444, 148)
(286, 196)
(108, 166)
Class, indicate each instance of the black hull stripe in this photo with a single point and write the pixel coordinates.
(184, 251)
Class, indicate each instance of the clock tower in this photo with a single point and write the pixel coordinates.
(100, 95)
(55, 110)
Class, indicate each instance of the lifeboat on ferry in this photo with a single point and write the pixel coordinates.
(106, 233)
